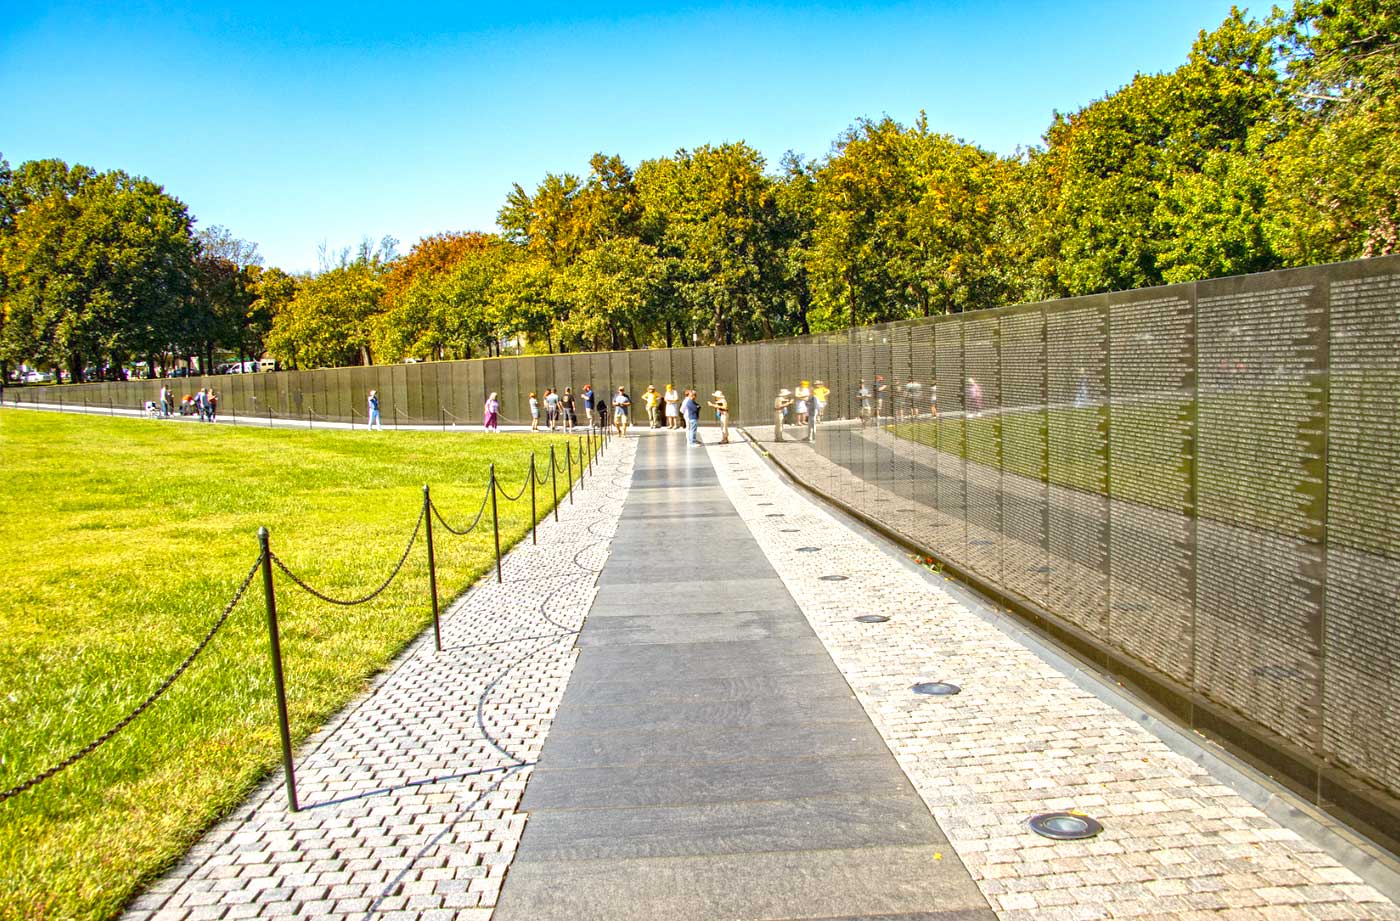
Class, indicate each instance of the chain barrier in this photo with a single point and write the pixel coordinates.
(518, 496)
(145, 704)
(469, 528)
(372, 595)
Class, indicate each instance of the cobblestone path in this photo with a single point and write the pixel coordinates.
(411, 796)
(1023, 738)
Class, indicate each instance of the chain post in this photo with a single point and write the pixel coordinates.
(496, 524)
(554, 481)
(442, 419)
(308, 419)
(278, 680)
(432, 567)
(534, 515)
(569, 462)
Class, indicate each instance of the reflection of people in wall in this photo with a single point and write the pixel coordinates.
(864, 394)
(1081, 393)
(974, 396)
(780, 408)
(933, 399)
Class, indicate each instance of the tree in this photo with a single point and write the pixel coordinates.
(407, 327)
(327, 323)
(97, 266)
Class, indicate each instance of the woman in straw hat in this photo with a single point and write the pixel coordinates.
(780, 408)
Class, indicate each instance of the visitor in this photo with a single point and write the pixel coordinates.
(551, 409)
(780, 408)
(620, 404)
(588, 401)
(804, 396)
(211, 403)
(164, 402)
(690, 408)
(566, 404)
(673, 404)
(374, 411)
(820, 394)
(201, 404)
(534, 412)
(652, 399)
(721, 408)
(493, 409)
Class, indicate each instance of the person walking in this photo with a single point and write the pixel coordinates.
(621, 402)
(589, 398)
(212, 403)
(374, 411)
(534, 412)
(652, 399)
(492, 414)
(721, 407)
(566, 403)
(200, 404)
(780, 408)
(164, 402)
(673, 404)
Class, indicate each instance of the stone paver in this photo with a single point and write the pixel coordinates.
(411, 796)
(1022, 738)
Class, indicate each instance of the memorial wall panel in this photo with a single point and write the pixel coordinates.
(1362, 642)
(982, 367)
(1024, 447)
(1077, 420)
(1259, 492)
(951, 438)
(1152, 516)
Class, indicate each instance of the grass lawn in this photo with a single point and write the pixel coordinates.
(125, 538)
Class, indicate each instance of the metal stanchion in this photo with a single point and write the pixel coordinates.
(275, 646)
(308, 419)
(496, 524)
(569, 462)
(432, 566)
(534, 516)
(554, 481)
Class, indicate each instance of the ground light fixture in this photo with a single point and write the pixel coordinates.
(936, 688)
(809, 549)
(833, 578)
(1064, 826)
(872, 618)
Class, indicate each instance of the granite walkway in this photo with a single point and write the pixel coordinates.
(708, 759)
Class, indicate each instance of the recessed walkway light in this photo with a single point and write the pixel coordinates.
(936, 688)
(833, 578)
(808, 549)
(872, 618)
(1064, 826)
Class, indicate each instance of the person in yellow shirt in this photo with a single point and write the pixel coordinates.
(652, 399)
(820, 392)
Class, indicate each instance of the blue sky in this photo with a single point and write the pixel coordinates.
(293, 123)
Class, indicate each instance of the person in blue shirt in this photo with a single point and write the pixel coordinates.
(588, 399)
(690, 408)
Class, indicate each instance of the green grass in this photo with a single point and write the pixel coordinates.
(124, 539)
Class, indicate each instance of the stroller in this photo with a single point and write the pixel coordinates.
(152, 409)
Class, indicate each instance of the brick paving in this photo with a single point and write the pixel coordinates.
(411, 795)
(1022, 738)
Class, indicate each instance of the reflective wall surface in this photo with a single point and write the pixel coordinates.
(1202, 478)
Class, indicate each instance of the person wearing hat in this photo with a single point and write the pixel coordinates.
(652, 399)
(721, 407)
(820, 393)
(780, 408)
(621, 403)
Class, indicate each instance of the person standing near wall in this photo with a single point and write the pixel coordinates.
(721, 408)
(652, 399)
(588, 400)
(492, 414)
(566, 405)
(551, 409)
(374, 411)
(780, 408)
(820, 394)
(213, 404)
(673, 403)
(164, 402)
(804, 397)
(534, 412)
(690, 408)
